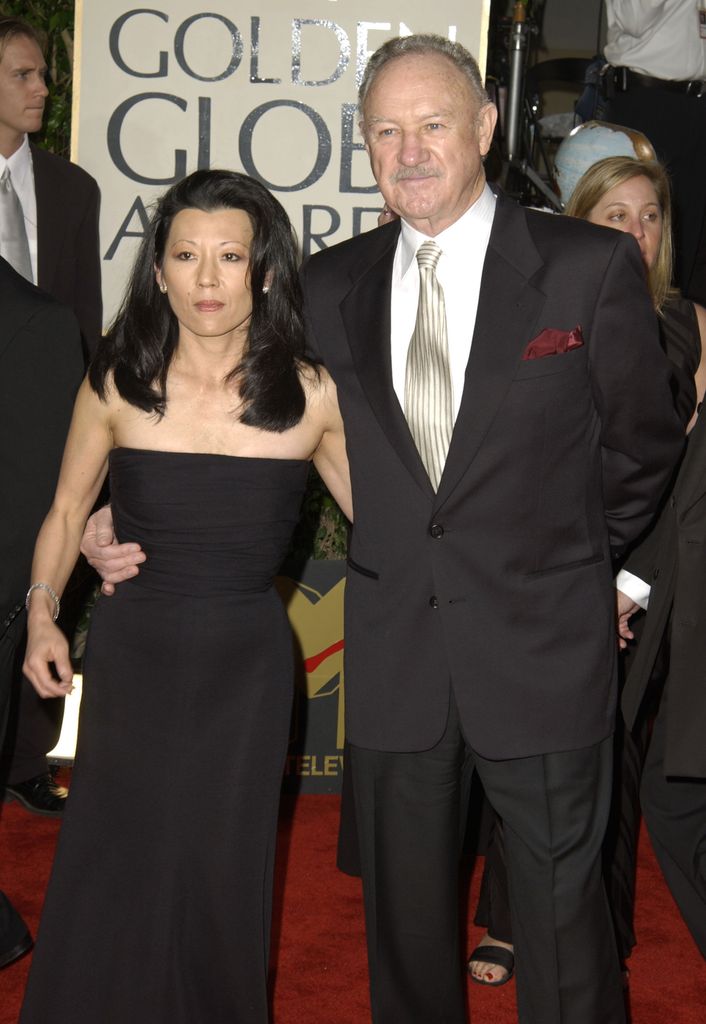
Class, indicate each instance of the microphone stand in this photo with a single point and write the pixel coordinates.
(521, 30)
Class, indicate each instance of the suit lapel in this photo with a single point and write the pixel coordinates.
(507, 312)
(48, 228)
(366, 315)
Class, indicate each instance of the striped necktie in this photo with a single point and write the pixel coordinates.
(428, 388)
(14, 246)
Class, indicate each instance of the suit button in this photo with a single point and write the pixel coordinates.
(433, 602)
(436, 530)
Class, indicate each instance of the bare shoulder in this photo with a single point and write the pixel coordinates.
(321, 398)
(701, 319)
(104, 408)
(700, 375)
(107, 401)
(317, 383)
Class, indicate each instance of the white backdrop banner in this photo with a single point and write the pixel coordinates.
(268, 88)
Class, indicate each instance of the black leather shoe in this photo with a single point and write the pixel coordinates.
(41, 795)
(15, 939)
(8, 956)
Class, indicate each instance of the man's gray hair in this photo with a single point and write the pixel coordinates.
(423, 45)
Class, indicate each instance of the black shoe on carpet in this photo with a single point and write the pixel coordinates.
(8, 956)
(40, 795)
(15, 939)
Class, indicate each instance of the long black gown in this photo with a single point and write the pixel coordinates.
(158, 909)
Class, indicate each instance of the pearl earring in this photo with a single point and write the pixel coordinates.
(265, 289)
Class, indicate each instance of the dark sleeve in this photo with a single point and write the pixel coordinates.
(643, 560)
(681, 341)
(641, 436)
(87, 303)
(42, 369)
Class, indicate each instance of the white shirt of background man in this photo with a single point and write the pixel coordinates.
(22, 173)
(660, 38)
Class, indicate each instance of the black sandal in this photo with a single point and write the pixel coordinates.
(497, 955)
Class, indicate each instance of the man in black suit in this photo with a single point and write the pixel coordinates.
(667, 575)
(480, 611)
(41, 366)
(60, 200)
(59, 206)
(480, 615)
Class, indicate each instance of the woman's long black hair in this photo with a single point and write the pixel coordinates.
(141, 342)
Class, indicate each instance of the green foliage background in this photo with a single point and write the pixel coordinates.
(322, 531)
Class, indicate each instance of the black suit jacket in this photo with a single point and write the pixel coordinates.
(673, 560)
(499, 585)
(68, 265)
(41, 366)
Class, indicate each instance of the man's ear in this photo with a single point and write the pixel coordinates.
(487, 116)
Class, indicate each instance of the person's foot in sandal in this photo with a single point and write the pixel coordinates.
(492, 962)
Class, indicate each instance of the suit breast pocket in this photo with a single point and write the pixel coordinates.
(574, 361)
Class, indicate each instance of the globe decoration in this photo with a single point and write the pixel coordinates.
(585, 146)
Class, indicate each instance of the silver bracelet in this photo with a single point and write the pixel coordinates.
(52, 594)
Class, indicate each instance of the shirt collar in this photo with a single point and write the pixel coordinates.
(457, 236)
(20, 163)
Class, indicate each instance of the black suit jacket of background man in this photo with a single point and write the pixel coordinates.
(68, 264)
(41, 366)
(500, 584)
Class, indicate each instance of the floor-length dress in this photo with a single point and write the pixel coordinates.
(158, 909)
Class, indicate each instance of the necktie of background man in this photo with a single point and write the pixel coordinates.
(14, 246)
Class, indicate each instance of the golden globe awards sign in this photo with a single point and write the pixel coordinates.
(268, 88)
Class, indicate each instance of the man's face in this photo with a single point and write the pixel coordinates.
(22, 92)
(426, 136)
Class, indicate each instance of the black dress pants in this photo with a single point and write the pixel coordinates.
(555, 808)
(674, 810)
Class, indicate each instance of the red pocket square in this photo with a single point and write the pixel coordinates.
(551, 342)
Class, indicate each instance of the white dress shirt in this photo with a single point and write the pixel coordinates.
(459, 270)
(22, 173)
(656, 37)
(635, 588)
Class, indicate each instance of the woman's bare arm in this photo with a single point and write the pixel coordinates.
(83, 470)
(700, 375)
(331, 458)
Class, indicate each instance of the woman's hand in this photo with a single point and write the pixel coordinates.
(46, 658)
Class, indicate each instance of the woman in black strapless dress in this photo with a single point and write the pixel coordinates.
(205, 412)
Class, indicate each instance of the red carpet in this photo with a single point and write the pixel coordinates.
(319, 959)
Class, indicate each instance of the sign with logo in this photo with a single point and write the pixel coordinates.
(268, 88)
(314, 604)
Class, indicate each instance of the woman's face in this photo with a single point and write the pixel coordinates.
(205, 270)
(633, 207)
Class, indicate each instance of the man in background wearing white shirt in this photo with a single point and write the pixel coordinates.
(657, 84)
